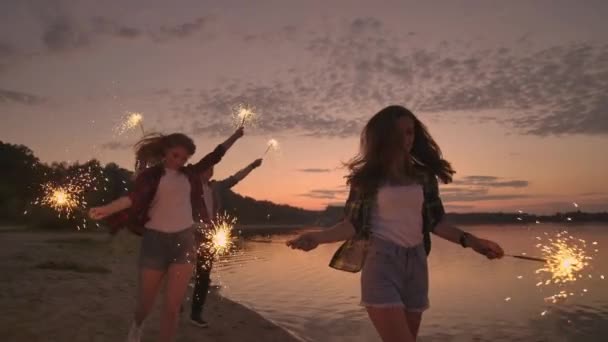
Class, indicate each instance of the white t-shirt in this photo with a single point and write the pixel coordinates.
(397, 215)
(171, 208)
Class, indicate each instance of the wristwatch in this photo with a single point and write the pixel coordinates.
(463, 239)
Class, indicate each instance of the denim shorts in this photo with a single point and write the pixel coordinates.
(159, 250)
(395, 276)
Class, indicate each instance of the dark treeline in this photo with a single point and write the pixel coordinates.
(22, 174)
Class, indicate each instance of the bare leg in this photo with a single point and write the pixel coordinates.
(178, 278)
(413, 321)
(149, 284)
(391, 324)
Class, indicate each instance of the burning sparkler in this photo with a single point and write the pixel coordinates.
(272, 144)
(63, 199)
(129, 122)
(243, 114)
(218, 238)
(68, 196)
(566, 258)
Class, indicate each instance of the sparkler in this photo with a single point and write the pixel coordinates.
(243, 114)
(272, 144)
(526, 257)
(218, 238)
(566, 258)
(129, 122)
(65, 200)
(68, 197)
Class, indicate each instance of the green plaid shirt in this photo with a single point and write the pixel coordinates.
(351, 255)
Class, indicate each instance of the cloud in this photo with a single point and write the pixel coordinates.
(63, 34)
(329, 194)
(554, 90)
(451, 207)
(479, 188)
(128, 32)
(183, 30)
(476, 194)
(11, 96)
(312, 170)
(6, 50)
(490, 181)
(364, 66)
(285, 106)
(116, 145)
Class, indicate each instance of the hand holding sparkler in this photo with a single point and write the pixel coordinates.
(98, 213)
(256, 163)
(488, 248)
(306, 242)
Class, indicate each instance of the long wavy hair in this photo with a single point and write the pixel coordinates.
(150, 150)
(382, 144)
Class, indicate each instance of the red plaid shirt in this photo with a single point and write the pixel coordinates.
(146, 184)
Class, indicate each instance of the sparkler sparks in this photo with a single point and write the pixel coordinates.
(218, 238)
(67, 197)
(129, 122)
(63, 199)
(272, 144)
(566, 258)
(244, 114)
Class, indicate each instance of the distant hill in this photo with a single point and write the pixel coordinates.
(332, 214)
(251, 211)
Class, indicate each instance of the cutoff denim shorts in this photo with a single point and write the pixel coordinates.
(159, 250)
(395, 276)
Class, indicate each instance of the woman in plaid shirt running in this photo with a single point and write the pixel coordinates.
(392, 209)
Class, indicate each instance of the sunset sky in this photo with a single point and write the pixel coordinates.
(515, 92)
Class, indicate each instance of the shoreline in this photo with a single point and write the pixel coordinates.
(80, 286)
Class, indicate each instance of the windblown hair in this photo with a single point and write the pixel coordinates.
(150, 150)
(382, 143)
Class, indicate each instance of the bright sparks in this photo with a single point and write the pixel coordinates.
(219, 236)
(62, 199)
(67, 197)
(271, 145)
(244, 114)
(566, 258)
(130, 121)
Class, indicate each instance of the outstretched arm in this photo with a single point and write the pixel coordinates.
(308, 241)
(240, 175)
(214, 157)
(482, 246)
(98, 213)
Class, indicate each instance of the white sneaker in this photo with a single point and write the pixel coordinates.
(134, 333)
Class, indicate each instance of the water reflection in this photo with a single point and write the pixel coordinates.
(302, 294)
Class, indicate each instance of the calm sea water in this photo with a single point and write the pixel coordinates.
(468, 293)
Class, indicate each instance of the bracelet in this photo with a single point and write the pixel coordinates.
(463, 239)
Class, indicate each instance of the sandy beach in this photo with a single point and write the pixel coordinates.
(80, 286)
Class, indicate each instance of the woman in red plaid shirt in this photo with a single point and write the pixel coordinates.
(165, 207)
